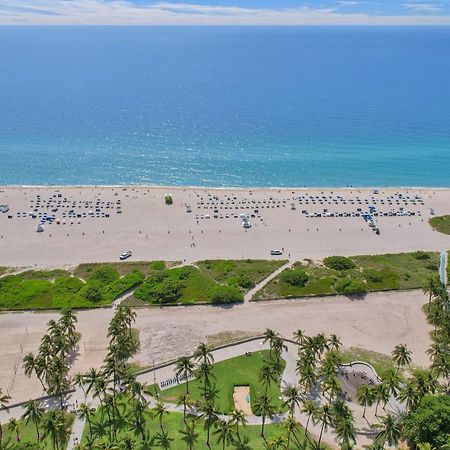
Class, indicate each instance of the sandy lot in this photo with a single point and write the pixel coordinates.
(153, 230)
(378, 323)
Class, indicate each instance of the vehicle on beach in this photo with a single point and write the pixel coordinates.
(276, 252)
(125, 255)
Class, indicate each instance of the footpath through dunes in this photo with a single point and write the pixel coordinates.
(100, 223)
(377, 322)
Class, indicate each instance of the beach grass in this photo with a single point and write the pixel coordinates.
(28, 435)
(238, 371)
(173, 425)
(441, 224)
(58, 289)
(243, 273)
(371, 273)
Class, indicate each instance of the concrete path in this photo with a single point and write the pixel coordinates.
(248, 296)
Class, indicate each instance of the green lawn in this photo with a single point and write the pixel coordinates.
(441, 224)
(372, 273)
(239, 371)
(173, 424)
(28, 436)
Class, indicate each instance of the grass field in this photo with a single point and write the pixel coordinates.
(28, 436)
(173, 425)
(441, 224)
(372, 273)
(239, 371)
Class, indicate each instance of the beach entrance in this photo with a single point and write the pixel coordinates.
(241, 397)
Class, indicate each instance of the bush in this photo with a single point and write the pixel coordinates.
(423, 256)
(349, 287)
(104, 275)
(157, 265)
(373, 275)
(429, 422)
(242, 281)
(295, 277)
(225, 294)
(67, 285)
(93, 293)
(339, 263)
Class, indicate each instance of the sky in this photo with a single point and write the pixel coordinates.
(224, 12)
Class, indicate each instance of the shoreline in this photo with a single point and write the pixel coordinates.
(221, 188)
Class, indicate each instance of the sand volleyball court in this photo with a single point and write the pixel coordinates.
(241, 397)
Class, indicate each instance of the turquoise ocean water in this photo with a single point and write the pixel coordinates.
(225, 106)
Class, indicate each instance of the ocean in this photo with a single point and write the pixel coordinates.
(225, 106)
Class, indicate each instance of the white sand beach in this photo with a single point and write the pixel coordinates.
(81, 230)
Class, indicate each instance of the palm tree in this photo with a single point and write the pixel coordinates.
(299, 336)
(346, 432)
(34, 412)
(184, 399)
(365, 395)
(409, 395)
(310, 408)
(264, 408)
(204, 354)
(224, 432)
(209, 417)
(127, 443)
(266, 376)
(160, 411)
(334, 342)
(238, 419)
(85, 412)
(189, 434)
(13, 426)
(32, 364)
(381, 395)
(269, 336)
(401, 356)
(277, 443)
(332, 386)
(390, 430)
(55, 426)
(4, 402)
(163, 440)
(431, 287)
(293, 398)
(325, 418)
(291, 427)
(185, 369)
(79, 380)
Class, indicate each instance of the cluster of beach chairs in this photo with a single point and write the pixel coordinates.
(56, 209)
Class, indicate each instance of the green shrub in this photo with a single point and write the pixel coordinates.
(429, 422)
(157, 265)
(243, 282)
(433, 267)
(104, 275)
(423, 256)
(93, 293)
(294, 277)
(339, 263)
(225, 294)
(375, 276)
(67, 285)
(168, 199)
(349, 287)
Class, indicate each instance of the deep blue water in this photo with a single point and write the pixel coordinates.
(269, 106)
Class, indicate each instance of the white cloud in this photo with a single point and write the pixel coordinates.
(123, 12)
(423, 7)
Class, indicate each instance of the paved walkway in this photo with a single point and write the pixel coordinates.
(248, 296)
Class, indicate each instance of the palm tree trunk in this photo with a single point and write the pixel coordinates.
(207, 437)
(262, 427)
(37, 432)
(320, 437)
